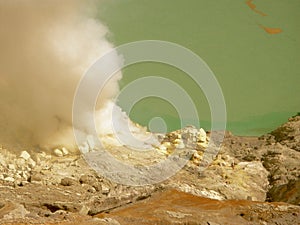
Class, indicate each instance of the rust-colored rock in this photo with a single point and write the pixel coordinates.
(174, 207)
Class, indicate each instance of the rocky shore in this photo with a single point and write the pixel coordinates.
(250, 181)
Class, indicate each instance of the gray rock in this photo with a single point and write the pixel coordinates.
(84, 210)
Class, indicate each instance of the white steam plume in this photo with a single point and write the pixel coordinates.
(45, 48)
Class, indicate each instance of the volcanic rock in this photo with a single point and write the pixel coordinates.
(289, 133)
(231, 189)
(173, 207)
(286, 193)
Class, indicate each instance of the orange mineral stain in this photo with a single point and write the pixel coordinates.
(253, 7)
(271, 30)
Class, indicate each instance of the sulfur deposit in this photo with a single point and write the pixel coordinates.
(187, 138)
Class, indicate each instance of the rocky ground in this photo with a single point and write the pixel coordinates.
(250, 181)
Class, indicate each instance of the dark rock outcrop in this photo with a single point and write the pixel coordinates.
(289, 192)
(289, 133)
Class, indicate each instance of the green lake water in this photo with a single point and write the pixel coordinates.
(253, 48)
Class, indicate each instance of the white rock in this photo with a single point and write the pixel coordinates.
(180, 145)
(19, 212)
(162, 148)
(197, 156)
(84, 210)
(20, 162)
(105, 189)
(10, 179)
(167, 144)
(2, 161)
(243, 164)
(212, 194)
(58, 152)
(84, 148)
(196, 161)
(24, 182)
(31, 163)
(24, 175)
(203, 145)
(42, 154)
(40, 157)
(11, 166)
(25, 155)
(65, 151)
(202, 135)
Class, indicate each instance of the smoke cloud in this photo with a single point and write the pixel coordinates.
(45, 48)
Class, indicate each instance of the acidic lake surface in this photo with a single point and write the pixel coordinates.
(252, 47)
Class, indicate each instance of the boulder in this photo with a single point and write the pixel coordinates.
(25, 155)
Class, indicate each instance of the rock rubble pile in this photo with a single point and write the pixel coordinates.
(190, 138)
(60, 187)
